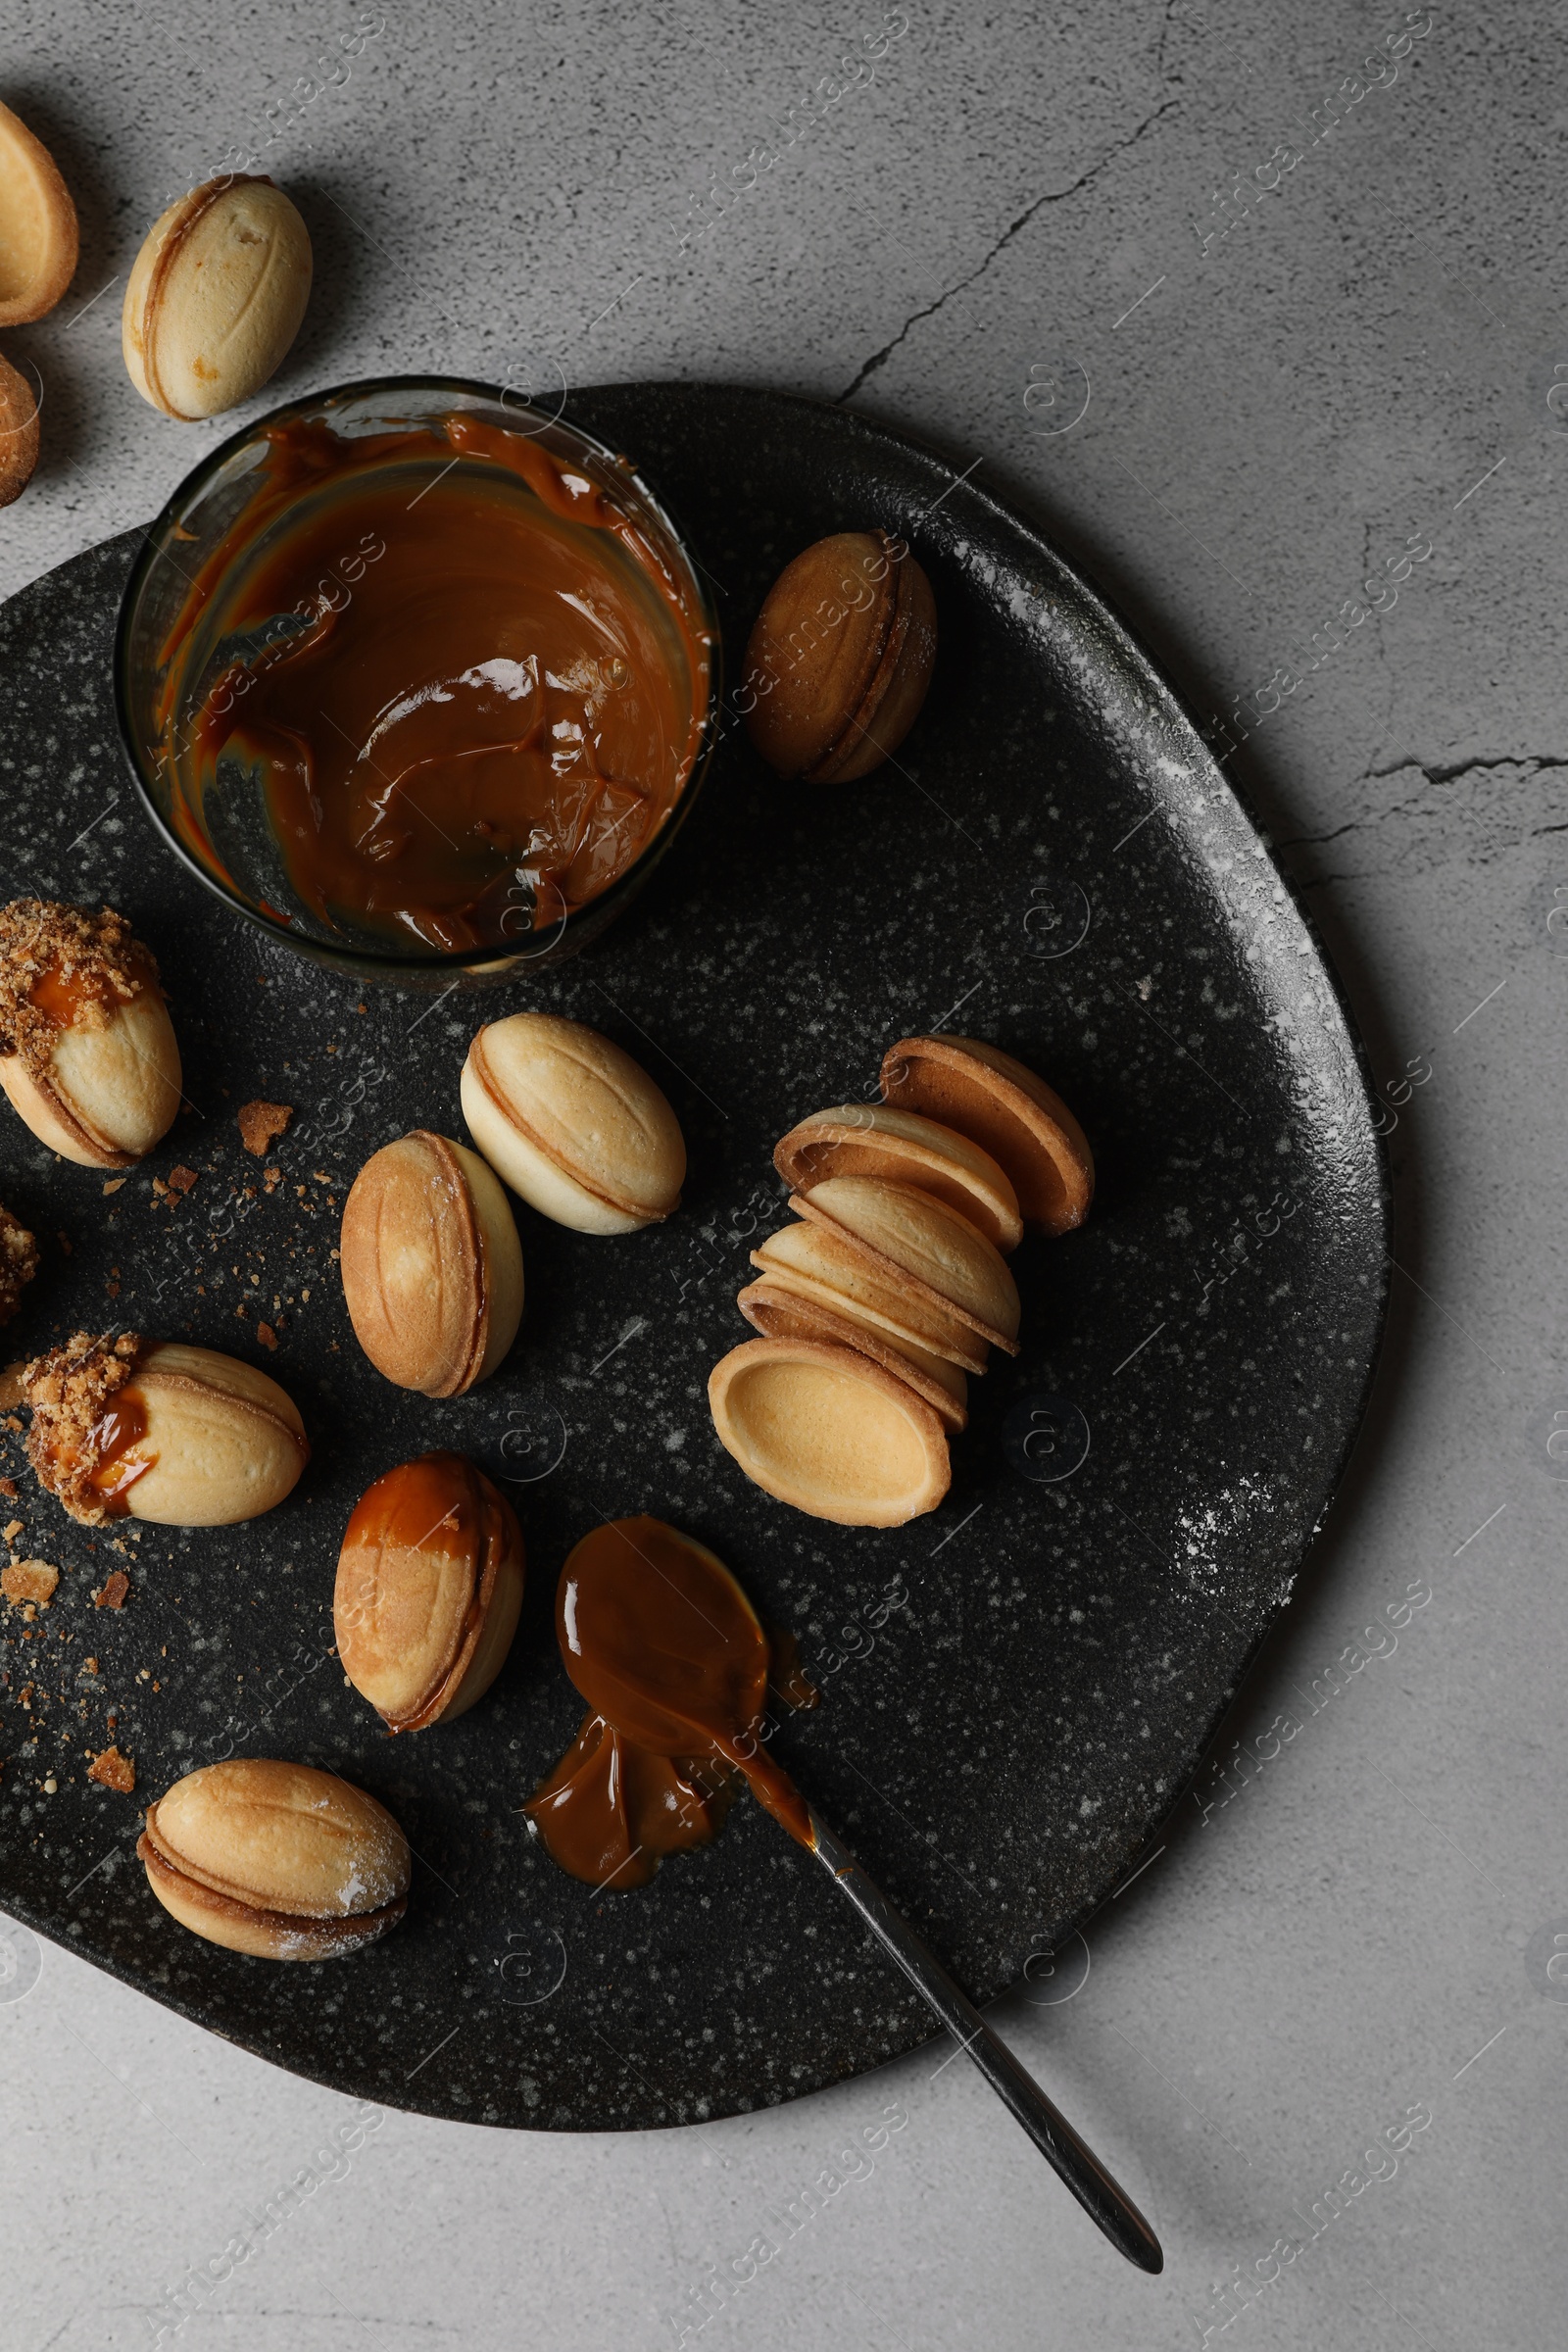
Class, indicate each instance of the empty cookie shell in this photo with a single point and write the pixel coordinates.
(919, 1242)
(37, 226)
(87, 1051)
(780, 1313)
(429, 1583)
(817, 1262)
(829, 1432)
(1009, 1113)
(278, 1860)
(870, 1139)
(431, 1264)
(179, 1436)
(576, 1127)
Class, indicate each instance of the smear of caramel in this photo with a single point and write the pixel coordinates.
(122, 1427)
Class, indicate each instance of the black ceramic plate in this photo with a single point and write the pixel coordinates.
(1054, 864)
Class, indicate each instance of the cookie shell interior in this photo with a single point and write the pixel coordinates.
(824, 1429)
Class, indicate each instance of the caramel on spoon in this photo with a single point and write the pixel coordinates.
(673, 1661)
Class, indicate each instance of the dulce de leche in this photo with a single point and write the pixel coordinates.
(674, 1662)
(460, 676)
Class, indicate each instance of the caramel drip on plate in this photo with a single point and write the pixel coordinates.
(611, 1811)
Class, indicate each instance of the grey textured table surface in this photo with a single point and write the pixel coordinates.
(1346, 1944)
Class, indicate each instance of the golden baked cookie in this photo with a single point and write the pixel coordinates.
(431, 1264)
(280, 1860)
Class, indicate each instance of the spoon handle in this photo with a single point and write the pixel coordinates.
(1103, 2198)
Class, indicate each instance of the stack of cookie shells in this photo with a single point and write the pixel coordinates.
(892, 1284)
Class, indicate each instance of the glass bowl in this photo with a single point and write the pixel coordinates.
(226, 837)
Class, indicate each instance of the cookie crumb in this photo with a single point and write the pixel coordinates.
(266, 1335)
(181, 1179)
(111, 1595)
(260, 1124)
(19, 1263)
(112, 1770)
(12, 1531)
(29, 1581)
(112, 1184)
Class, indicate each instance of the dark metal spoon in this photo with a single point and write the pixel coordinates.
(1101, 2198)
